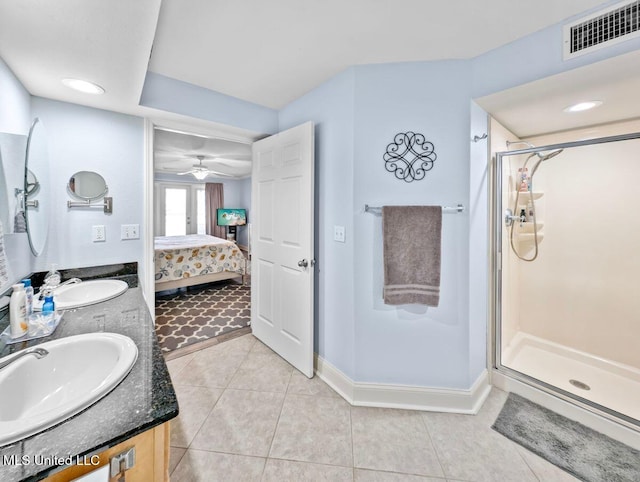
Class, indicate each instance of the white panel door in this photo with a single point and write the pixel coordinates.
(282, 245)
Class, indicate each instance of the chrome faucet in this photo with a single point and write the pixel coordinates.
(37, 352)
(71, 281)
(52, 287)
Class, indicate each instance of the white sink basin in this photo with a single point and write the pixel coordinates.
(85, 293)
(77, 372)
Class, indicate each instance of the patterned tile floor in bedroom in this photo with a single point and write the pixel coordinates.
(200, 313)
(246, 414)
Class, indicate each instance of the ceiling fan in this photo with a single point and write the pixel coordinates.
(200, 172)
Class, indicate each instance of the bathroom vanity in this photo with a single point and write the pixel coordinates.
(134, 415)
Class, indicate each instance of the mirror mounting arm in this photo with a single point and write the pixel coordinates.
(107, 204)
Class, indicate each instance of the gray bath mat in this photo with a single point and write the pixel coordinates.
(581, 451)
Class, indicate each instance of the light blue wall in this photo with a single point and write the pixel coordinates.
(421, 346)
(478, 242)
(356, 113)
(330, 107)
(15, 118)
(165, 93)
(534, 57)
(368, 341)
(81, 139)
(15, 103)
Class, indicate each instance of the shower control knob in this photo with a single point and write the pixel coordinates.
(509, 217)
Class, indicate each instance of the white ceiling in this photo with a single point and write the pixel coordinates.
(265, 52)
(106, 42)
(272, 52)
(175, 152)
(537, 107)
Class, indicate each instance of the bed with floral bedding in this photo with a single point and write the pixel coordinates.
(195, 259)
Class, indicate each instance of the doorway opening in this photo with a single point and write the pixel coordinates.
(201, 264)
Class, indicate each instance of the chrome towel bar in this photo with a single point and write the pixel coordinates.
(445, 209)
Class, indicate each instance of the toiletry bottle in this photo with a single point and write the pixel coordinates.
(48, 306)
(523, 216)
(530, 211)
(28, 291)
(524, 183)
(18, 311)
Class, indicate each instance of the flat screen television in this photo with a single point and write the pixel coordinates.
(231, 217)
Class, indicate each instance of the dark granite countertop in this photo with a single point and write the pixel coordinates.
(144, 399)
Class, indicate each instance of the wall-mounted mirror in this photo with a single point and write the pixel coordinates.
(36, 187)
(87, 185)
(12, 150)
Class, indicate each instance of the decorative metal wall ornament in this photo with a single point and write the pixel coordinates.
(409, 156)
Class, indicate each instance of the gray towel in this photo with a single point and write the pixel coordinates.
(412, 254)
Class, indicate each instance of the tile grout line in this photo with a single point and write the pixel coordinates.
(433, 445)
(353, 453)
(218, 399)
(275, 430)
(527, 463)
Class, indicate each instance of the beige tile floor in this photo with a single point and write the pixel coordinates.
(246, 414)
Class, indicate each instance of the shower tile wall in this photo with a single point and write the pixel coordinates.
(583, 290)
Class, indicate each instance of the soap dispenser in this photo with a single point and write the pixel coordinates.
(52, 278)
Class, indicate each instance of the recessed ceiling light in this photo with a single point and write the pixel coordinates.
(83, 86)
(581, 106)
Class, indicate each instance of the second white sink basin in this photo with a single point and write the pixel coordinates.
(85, 293)
(74, 373)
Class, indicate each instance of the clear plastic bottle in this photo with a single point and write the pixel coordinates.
(28, 291)
(18, 311)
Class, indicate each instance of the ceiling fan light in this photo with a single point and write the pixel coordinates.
(200, 175)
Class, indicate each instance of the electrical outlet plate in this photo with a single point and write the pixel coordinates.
(339, 234)
(98, 234)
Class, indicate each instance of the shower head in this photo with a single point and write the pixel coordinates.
(543, 158)
(550, 155)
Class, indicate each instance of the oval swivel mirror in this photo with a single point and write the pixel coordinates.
(87, 185)
(36, 187)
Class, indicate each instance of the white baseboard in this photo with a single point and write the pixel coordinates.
(402, 396)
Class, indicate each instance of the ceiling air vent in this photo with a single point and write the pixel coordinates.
(616, 24)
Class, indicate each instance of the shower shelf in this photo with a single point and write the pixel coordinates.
(529, 237)
(525, 196)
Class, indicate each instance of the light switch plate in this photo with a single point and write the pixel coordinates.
(129, 231)
(98, 233)
(338, 234)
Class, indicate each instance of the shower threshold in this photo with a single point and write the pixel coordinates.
(607, 383)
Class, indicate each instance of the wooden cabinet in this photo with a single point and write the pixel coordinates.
(151, 459)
